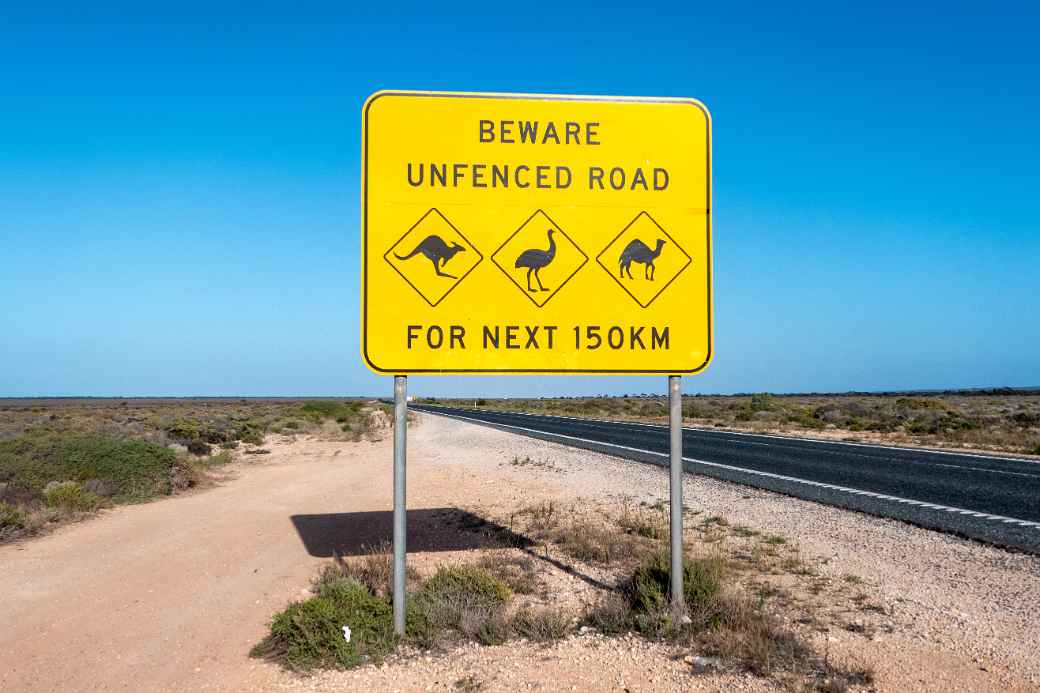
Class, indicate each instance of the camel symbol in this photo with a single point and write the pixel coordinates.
(637, 251)
(436, 251)
(534, 260)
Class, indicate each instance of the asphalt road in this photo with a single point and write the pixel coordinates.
(987, 498)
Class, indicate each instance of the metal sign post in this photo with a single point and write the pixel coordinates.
(675, 487)
(400, 435)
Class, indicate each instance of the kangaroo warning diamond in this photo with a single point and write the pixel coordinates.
(512, 233)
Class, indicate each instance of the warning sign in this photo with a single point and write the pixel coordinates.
(593, 215)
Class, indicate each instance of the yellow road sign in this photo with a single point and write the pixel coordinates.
(513, 233)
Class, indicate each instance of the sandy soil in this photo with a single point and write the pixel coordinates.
(171, 595)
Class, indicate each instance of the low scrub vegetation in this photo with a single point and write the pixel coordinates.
(48, 477)
(310, 634)
(727, 615)
(212, 422)
(459, 601)
(130, 469)
(456, 602)
(62, 459)
(1006, 420)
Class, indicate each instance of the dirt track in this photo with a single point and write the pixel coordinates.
(171, 595)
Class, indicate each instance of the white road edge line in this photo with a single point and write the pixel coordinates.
(818, 441)
(807, 482)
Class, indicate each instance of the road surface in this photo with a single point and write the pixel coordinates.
(988, 498)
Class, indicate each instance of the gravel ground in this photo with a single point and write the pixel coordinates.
(581, 663)
(171, 595)
(956, 615)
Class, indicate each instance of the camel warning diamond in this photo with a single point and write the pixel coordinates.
(643, 259)
(433, 257)
(539, 258)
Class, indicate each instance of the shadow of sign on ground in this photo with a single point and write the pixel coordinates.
(342, 535)
(429, 530)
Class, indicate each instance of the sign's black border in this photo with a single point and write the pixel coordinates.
(527, 97)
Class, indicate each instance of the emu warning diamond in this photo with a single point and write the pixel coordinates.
(517, 233)
(539, 258)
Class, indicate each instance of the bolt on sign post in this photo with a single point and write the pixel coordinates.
(535, 234)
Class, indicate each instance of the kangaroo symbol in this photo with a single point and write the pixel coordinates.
(436, 251)
(637, 251)
(534, 260)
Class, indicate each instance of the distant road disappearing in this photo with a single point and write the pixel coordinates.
(984, 497)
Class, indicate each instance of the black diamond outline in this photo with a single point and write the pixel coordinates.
(689, 260)
(516, 283)
(462, 235)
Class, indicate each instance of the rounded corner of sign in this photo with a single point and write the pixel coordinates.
(378, 370)
(373, 97)
(704, 365)
(699, 105)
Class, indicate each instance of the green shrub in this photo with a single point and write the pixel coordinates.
(469, 584)
(921, 403)
(222, 431)
(693, 410)
(612, 615)
(251, 432)
(70, 496)
(340, 411)
(221, 458)
(1026, 419)
(11, 517)
(198, 447)
(493, 629)
(309, 634)
(543, 625)
(650, 587)
(184, 430)
(452, 595)
(135, 469)
(762, 402)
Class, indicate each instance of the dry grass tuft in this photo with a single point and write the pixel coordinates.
(544, 625)
(374, 569)
(518, 572)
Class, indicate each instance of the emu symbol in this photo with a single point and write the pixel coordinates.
(534, 260)
(434, 249)
(637, 251)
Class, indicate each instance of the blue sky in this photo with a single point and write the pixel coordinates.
(179, 189)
